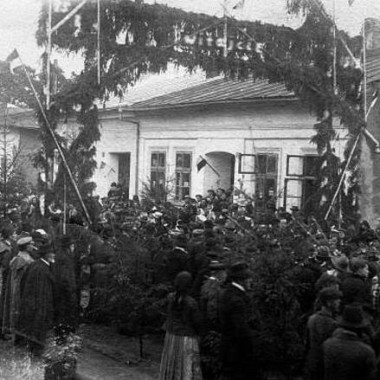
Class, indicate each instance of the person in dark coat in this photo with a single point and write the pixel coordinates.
(236, 334)
(320, 327)
(66, 272)
(37, 301)
(355, 286)
(346, 356)
(8, 250)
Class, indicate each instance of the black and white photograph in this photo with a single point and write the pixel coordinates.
(189, 190)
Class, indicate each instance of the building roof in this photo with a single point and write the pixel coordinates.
(218, 90)
(18, 116)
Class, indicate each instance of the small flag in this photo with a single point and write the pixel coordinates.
(350, 2)
(201, 164)
(239, 5)
(11, 59)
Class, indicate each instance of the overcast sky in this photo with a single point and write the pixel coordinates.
(18, 20)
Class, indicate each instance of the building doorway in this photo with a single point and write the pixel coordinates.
(124, 171)
(219, 171)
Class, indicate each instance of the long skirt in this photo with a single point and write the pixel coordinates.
(180, 358)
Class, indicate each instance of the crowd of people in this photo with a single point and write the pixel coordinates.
(205, 249)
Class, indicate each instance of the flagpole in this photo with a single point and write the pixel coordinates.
(225, 52)
(364, 71)
(334, 57)
(48, 53)
(98, 36)
(66, 165)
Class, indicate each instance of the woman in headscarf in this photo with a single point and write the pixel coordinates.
(180, 358)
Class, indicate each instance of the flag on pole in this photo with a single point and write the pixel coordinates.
(239, 5)
(201, 163)
(350, 2)
(12, 60)
(14, 55)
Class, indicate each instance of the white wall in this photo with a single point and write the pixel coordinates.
(117, 136)
(283, 127)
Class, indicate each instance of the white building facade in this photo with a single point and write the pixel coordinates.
(253, 137)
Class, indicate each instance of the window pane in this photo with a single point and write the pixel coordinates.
(154, 162)
(247, 163)
(262, 163)
(295, 165)
(162, 160)
(187, 161)
(270, 187)
(186, 179)
(294, 188)
(179, 160)
(185, 191)
(311, 163)
(161, 178)
(272, 164)
(178, 179)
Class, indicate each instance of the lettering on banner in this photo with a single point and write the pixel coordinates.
(218, 42)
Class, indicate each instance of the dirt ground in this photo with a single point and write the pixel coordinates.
(105, 355)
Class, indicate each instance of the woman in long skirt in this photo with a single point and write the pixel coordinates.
(180, 357)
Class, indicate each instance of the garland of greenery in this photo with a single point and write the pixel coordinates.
(302, 59)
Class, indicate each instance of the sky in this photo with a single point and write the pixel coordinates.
(18, 21)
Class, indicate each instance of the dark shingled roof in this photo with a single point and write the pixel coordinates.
(219, 90)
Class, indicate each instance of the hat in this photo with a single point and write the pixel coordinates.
(24, 238)
(45, 249)
(198, 232)
(183, 281)
(239, 271)
(67, 240)
(294, 208)
(340, 263)
(357, 263)
(328, 294)
(216, 265)
(352, 317)
(229, 225)
(323, 252)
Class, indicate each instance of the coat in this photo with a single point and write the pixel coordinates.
(356, 289)
(12, 298)
(320, 327)
(346, 357)
(37, 303)
(66, 299)
(237, 336)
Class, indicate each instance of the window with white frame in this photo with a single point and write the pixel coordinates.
(300, 182)
(183, 174)
(157, 173)
(264, 167)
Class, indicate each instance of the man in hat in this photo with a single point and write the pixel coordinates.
(18, 267)
(346, 356)
(320, 327)
(237, 336)
(37, 301)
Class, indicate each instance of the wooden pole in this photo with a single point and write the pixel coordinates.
(98, 37)
(65, 164)
(48, 54)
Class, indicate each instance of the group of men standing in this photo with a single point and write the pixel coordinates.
(39, 287)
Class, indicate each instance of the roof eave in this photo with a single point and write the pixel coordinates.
(138, 108)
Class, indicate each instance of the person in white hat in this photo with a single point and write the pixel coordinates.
(18, 266)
